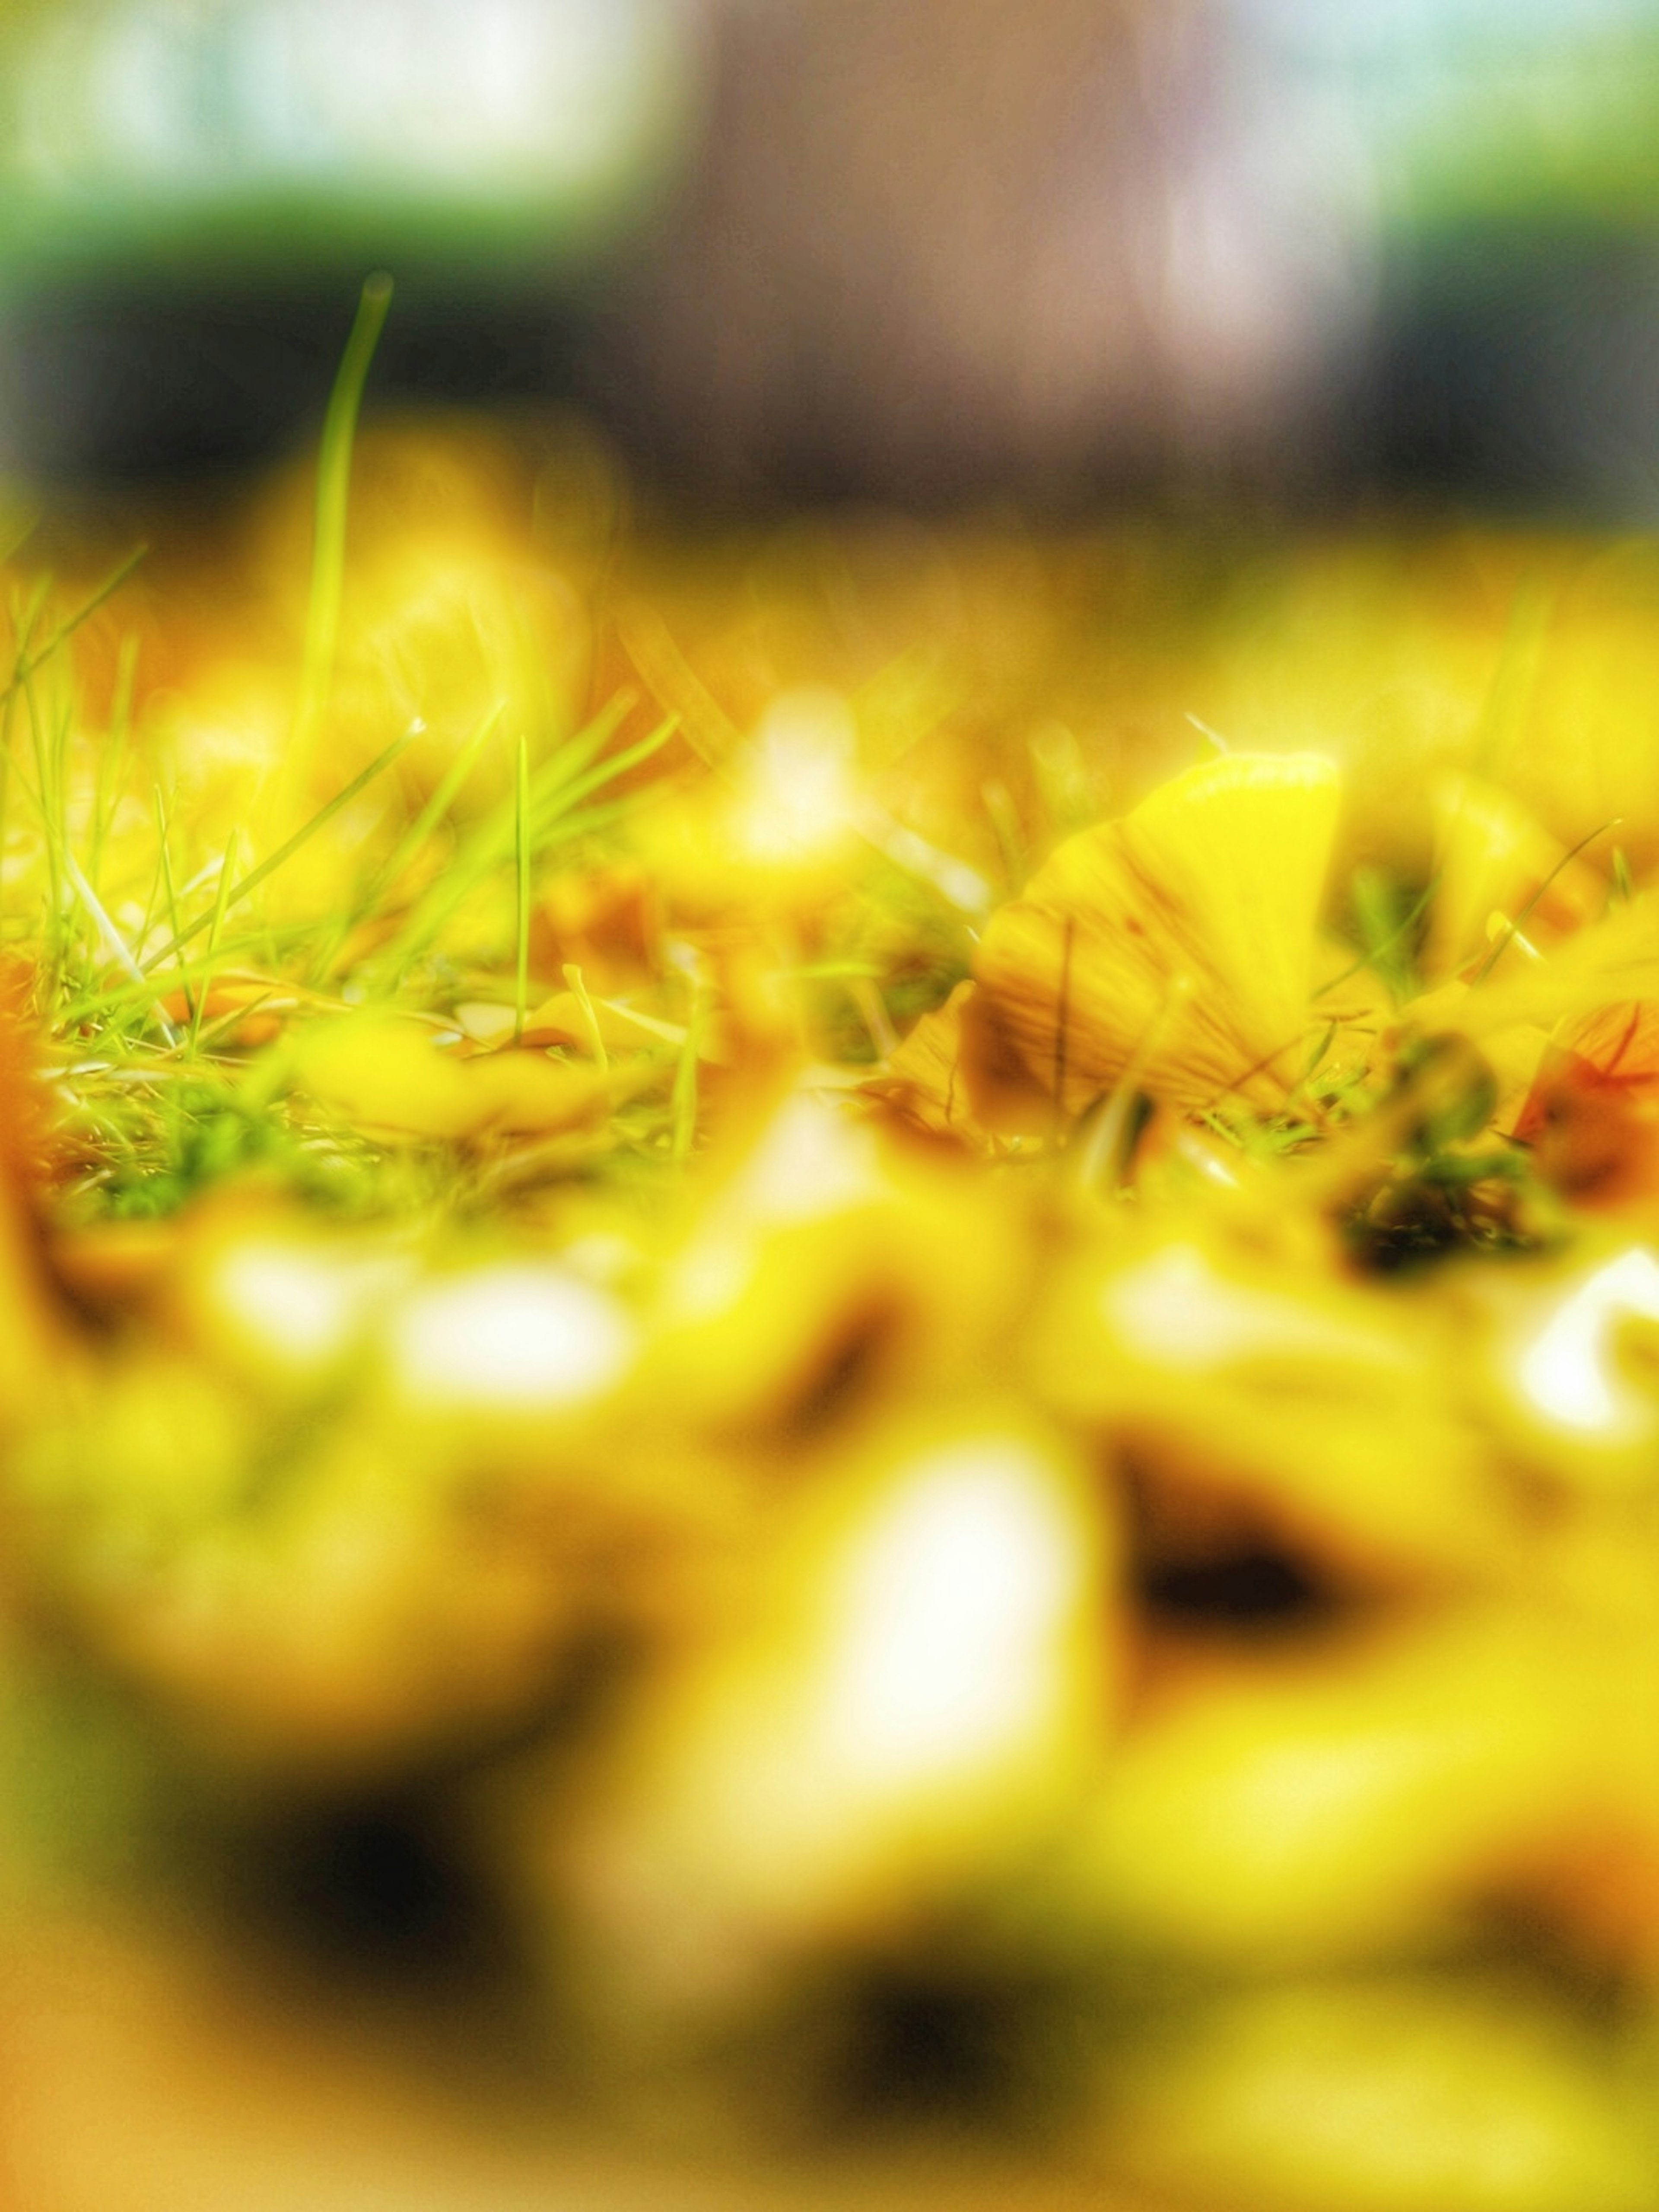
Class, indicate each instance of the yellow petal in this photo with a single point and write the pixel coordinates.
(395, 1078)
(954, 1076)
(1179, 939)
(526, 1094)
(387, 1075)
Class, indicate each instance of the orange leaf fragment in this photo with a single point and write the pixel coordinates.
(1592, 1117)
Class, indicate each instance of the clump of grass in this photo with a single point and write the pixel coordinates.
(130, 921)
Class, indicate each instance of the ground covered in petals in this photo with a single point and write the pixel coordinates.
(899, 1288)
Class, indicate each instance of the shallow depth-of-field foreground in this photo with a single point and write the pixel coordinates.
(838, 1350)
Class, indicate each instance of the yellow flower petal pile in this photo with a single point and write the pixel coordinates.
(997, 1456)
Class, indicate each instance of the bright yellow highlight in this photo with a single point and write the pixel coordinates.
(1178, 941)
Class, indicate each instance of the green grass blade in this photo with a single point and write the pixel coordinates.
(578, 990)
(214, 929)
(285, 852)
(113, 944)
(443, 798)
(29, 664)
(110, 1004)
(567, 795)
(333, 494)
(113, 760)
(172, 893)
(582, 750)
(408, 846)
(493, 841)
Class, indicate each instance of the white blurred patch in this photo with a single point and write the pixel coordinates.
(303, 1307)
(799, 787)
(413, 94)
(1569, 1370)
(811, 1162)
(1176, 1311)
(953, 1602)
(516, 1338)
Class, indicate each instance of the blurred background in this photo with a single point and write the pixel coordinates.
(1302, 251)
